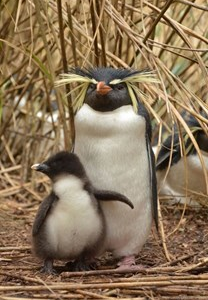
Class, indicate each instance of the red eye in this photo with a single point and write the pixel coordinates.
(120, 87)
(91, 86)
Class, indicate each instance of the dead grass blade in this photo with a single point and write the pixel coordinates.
(168, 37)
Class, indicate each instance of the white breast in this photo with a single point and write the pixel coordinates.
(74, 223)
(112, 148)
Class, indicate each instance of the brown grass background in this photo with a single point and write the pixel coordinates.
(169, 37)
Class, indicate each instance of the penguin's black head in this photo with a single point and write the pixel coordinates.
(104, 95)
(62, 163)
(199, 134)
(202, 140)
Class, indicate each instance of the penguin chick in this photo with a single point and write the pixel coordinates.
(186, 172)
(116, 137)
(69, 224)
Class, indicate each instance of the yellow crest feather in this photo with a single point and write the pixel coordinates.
(84, 81)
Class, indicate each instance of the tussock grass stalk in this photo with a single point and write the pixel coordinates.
(65, 67)
(168, 37)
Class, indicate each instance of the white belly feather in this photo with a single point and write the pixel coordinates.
(112, 148)
(186, 174)
(74, 223)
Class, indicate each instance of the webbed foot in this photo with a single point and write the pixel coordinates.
(128, 263)
(80, 265)
(48, 267)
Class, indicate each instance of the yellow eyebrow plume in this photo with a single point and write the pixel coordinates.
(131, 81)
(83, 82)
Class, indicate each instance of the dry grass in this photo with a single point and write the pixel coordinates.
(169, 37)
(184, 277)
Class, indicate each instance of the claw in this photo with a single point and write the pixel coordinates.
(80, 265)
(48, 267)
(128, 264)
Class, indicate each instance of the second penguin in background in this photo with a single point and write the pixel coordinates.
(179, 174)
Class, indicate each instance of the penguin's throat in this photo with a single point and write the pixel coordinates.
(67, 187)
(106, 104)
(121, 121)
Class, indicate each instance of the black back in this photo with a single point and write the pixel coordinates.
(165, 152)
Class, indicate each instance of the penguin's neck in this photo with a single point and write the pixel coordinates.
(109, 113)
(68, 187)
(90, 122)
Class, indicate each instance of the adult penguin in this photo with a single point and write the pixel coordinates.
(113, 134)
(184, 173)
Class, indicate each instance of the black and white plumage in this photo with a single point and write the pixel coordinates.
(113, 142)
(186, 172)
(70, 224)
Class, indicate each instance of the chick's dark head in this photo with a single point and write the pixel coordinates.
(104, 95)
(61, 164)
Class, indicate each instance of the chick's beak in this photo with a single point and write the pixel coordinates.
(40, 167)
(103, 88)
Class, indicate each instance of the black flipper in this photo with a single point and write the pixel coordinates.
(166, 154)
(42, 212)
(151, 160)
(111, 196)
(153, 182)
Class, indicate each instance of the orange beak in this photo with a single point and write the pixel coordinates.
(103, 88)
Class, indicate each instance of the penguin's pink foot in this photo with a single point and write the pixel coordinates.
(128, 264)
